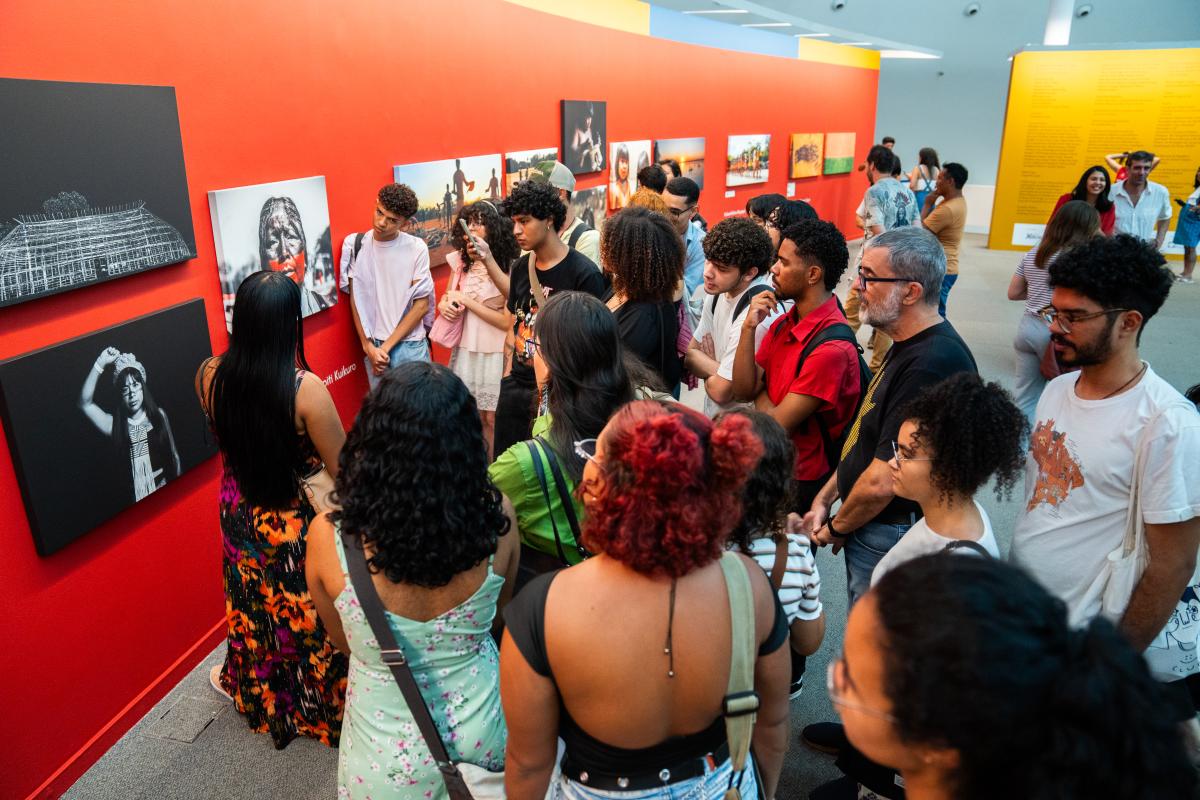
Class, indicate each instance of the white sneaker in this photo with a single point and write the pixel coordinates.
(214, 678)
(1181, 279)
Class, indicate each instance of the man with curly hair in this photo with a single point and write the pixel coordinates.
(386, 272)
(738, 253)
(802, 374)
(1112, 434)
(549, 265)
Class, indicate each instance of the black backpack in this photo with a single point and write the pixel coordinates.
(744, 300)
(837, 332)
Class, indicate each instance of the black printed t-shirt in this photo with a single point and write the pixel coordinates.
(575, 272)
(931, 356)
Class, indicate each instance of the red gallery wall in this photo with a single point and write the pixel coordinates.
(277, 89)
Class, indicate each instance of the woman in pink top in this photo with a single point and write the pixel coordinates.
(479, 357)
(1093, 188)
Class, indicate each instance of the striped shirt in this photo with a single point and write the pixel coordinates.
(1038, 281)
(800, 592)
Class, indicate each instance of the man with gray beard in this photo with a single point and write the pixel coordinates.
(900, 282)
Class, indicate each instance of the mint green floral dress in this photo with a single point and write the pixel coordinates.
(457, 666)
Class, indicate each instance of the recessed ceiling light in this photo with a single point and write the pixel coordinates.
(904, 54)
(854, 44)
(720, 11)
(808, 35)
(766, 24)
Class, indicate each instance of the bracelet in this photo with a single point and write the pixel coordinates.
(834, 532)
(99, 369)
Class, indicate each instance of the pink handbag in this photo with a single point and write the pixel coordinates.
(448, 333)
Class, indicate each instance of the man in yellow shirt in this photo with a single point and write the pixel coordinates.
(946, 220)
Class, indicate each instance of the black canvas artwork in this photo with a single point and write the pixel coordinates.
(93, 187)
(584, 135)
(100, 422)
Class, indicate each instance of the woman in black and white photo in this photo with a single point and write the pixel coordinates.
(138, 428)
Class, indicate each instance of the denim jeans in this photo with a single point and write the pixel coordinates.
(1033, 335)
(864, 549)
(710, 786)
(947, 285)
(406, 350)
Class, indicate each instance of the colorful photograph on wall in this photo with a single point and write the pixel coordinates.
(624, 161)
(839, 153)
(688, 153)
(519, 165)
(806, 154)
(749, 159)
(589, 205)
(94, 186)
(281, 226)
(105, 420)
(584, 135)
(444, 187)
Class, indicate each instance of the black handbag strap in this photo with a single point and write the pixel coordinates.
(393, 656)
(541, 476)
(564, 497)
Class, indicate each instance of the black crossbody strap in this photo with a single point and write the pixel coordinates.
(965, 544)
(564, 496)
(541, 476)
(393, 656)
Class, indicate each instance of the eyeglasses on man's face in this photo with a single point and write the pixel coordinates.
(1065, 319)
(679, 212)
(863, 279)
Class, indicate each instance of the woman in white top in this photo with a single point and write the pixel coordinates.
(1074, 222)
(957, 434)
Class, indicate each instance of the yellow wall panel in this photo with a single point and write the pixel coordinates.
(840, 54)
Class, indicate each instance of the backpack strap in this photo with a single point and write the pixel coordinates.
(541, 476)
(963, 544)
(741, 703)
(564, 496)
(744, 301)
(579, 231)
(837, 332)
(358, 240)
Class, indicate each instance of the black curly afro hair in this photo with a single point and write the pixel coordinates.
(399, 199)
(500, 237)
(770, 490)
(537, 200)
(1120, 271)
(972, 430)
(820, 242)
(413, 479)
(739, 242)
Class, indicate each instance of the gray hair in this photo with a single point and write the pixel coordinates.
(915, 254)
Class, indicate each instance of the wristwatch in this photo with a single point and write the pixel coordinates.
(834, 532)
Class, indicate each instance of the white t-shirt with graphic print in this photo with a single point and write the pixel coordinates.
(1079, 474)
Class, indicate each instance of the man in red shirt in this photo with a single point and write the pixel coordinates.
(814, 398)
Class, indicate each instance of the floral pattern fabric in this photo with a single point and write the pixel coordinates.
(283, 672)
(457, 667)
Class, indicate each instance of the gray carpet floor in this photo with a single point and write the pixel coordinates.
(194, 745)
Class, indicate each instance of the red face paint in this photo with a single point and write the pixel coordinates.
(293, 267)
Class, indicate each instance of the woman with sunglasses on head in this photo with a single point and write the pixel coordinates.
(627, 655)
(1075, 222)
(963, 674)
(581, 376)
(957, 435)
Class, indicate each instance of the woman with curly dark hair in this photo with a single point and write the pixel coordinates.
(964, 674)
(479, 357)
(644, 254)
(778, 542)
(957, 435)
(414, 492)
(626, 656)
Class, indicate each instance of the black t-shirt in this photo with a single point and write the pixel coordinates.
(931, 356)
(649, 331)
(575, 272)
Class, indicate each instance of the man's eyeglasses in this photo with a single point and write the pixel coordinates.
(862, 280)
(901, 458)
(586, 449)
(679, 212)
(1068, 318)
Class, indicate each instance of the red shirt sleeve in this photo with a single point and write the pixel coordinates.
(1061, 202)
(1108, 220)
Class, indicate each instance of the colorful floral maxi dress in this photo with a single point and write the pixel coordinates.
(282, 670)
(455, 662)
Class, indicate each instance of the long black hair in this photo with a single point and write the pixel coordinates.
(161, 440)
(979, 658)
(581, 345)
(252, 395)
(1080, 191)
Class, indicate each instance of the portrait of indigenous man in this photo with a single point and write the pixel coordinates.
(282, 247)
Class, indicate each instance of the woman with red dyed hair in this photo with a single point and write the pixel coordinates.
(626, 656)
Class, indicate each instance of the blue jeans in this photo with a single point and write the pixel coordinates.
(864, 549)
(947, 285)
(709, 786)
(406, 350)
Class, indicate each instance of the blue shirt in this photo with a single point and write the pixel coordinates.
(693, 263)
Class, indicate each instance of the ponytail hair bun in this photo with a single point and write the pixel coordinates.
(673, 484)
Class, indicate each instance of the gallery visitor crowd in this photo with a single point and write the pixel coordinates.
(596, 591)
